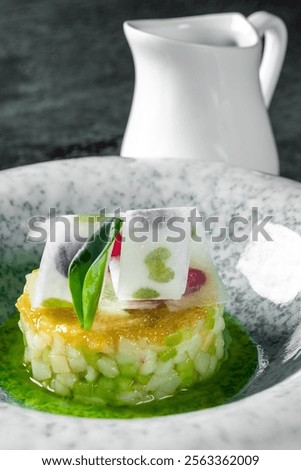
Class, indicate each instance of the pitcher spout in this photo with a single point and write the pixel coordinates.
(218, 30)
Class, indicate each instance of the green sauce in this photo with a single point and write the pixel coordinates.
(227, 385)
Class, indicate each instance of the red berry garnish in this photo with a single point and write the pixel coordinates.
(117, 245)
(196, 279)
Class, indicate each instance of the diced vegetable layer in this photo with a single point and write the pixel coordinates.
(127, 370)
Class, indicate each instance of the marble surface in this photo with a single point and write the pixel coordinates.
(66, 76)
(267, 415)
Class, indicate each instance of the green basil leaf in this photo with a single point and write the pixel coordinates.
(87, 271)
(92, 288)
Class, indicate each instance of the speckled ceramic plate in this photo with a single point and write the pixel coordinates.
(263, 279)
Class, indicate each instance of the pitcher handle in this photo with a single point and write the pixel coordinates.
(274, 31)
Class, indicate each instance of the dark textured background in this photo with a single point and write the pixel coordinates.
(66, 76)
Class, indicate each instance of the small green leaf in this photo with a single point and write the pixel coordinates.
(87, 271)
(92, 288)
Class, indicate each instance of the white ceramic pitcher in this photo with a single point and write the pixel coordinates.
(202, 87)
